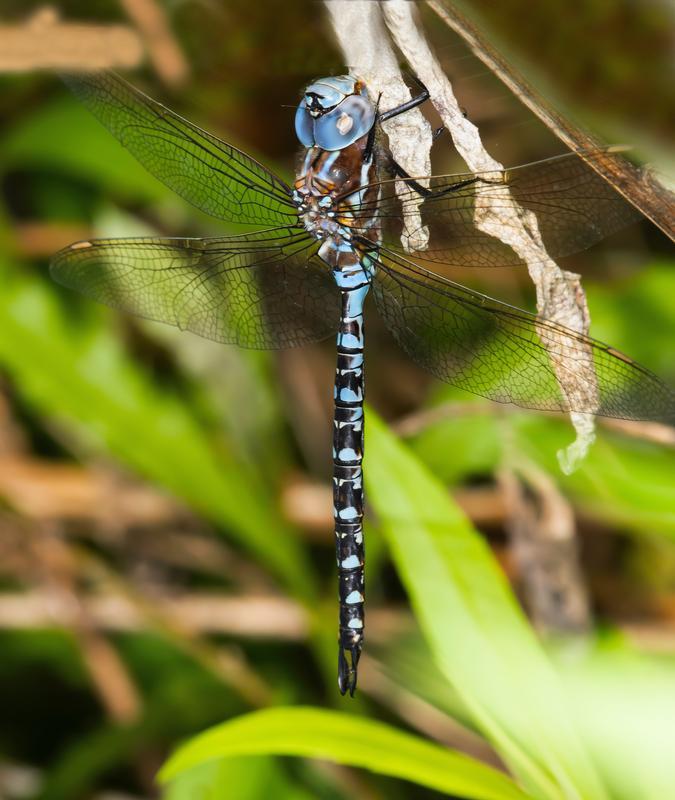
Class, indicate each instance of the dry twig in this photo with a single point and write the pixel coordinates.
(639, 187)
(164, 51)
(543, 535)
(559, 294)
(44, 42)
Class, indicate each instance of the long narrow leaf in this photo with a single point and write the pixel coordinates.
(346, 739)
(76, 373)
(478, 634)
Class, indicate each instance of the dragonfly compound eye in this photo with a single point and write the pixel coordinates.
(346, 123)
(334, 113)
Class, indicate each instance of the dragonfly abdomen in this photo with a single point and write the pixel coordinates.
(347, 472)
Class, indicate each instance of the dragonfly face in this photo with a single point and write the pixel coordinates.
(335, 236)
(334, 113)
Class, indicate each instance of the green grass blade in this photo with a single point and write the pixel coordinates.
(625, 703)
(346, 739)
(243, 778)
(481, 640)
(76, 373)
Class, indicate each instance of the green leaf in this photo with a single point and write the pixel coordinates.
(65, 137)
(479, 636)
(75, 371)
(346, 739)
(625, 704)
(243, 778)
(474, 439)
(623, 481)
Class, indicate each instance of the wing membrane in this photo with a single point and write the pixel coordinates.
(214, 176)
(574, 206)
(256, 291)
(508, 355)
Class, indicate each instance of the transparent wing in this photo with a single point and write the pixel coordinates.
(574, 207)
(214, 176)
(262, 291)
(508, 355)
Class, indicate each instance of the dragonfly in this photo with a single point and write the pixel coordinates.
(323, 244)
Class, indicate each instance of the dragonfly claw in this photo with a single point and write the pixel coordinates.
(348, 659)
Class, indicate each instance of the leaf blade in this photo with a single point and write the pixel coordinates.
(347, 739)
(474, 626)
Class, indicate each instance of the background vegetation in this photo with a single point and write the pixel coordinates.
(165, 518)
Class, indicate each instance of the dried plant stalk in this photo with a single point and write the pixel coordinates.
(164, 51)
(45, 42)
(542, 530)
(560, 297)
(640, 187)
(368, 53)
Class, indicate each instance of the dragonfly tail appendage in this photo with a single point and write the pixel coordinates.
(348, 485)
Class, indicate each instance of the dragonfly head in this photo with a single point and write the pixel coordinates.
(334, 113)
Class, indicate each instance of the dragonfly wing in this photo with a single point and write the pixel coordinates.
(214, 176)
(574, 207)
(508, 355)
(255, 291)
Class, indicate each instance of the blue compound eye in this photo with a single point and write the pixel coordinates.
(304, 125)
(346, 123)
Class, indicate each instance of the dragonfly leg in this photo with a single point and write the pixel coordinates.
(422, 97)
(370, 144)
(425, 192)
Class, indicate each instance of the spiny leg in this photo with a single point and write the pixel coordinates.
(423, 191)
(397, 168)
(409, 105)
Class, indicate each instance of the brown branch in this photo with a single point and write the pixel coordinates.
(649, 636)
(47, 490)
(163, 49)
(255, 617)
(543, 535)
(638, 186)
(44, 42)
(40, 239)
(655, 432)
(251, 617)
(109, 675)
(308, 505)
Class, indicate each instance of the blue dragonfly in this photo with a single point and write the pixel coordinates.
(334, 237)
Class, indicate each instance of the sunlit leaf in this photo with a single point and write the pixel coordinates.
(346, 739)
(625, 706)
(245, 778)
(475, 629)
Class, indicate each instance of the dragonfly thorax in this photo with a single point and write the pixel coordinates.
(328, 185)
(318, 215)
